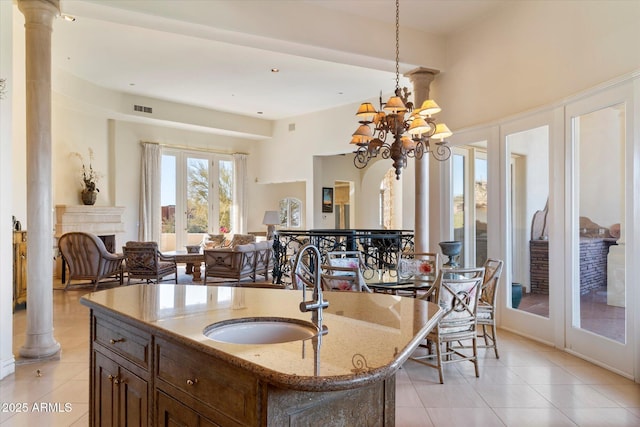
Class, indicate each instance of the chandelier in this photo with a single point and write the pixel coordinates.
(411, 131)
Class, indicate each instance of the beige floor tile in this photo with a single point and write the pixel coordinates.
(511, 396)
(490, 375)
(602, 417)
(625, 395)
(574, 396)
(592, 374)
(533, 417)
(545, 375)
(412, 417)
(407, 396)
(448, 396)
(464, 417)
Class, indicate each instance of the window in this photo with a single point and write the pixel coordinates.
(290, 213)
(196, 196)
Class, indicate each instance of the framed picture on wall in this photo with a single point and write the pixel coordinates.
(327, 199)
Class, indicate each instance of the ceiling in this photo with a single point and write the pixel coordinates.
(218, 54)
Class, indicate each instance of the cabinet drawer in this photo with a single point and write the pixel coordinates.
(220, 386)
(122, 339)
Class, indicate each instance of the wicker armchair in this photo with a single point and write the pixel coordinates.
(88, 259)
(457, 292)
(144, 261)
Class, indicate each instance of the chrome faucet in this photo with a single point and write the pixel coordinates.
(310, 270)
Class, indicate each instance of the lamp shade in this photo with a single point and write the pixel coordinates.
(442, 132)
(428, 108)
(271, 218)
(395, 105)
(418, 126)
(366, 111)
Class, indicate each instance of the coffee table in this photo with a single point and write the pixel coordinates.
(193, 261)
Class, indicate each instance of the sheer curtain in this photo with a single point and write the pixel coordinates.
(150, 215)
(240, 213)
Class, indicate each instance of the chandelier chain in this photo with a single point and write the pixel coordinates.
(411, 136)
(397, 44)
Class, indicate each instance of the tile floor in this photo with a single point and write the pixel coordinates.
(530, 385)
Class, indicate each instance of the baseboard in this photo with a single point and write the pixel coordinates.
(7, 367)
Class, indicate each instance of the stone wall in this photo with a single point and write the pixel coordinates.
(593, 264)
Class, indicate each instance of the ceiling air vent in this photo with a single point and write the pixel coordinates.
(292, 127)
(142, 109)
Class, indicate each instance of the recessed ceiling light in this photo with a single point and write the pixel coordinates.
(132, 84)
(260, 112)
(275, 70)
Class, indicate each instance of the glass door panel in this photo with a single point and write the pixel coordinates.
(459, 187)
(168, 199)
(225, 195)
(197, 199)
(480, 207)
(598, 295)
(528, 195)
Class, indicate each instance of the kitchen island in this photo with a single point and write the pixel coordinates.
(151, 363)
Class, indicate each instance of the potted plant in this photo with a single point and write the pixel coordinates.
(89, 180)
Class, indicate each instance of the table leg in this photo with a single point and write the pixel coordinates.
(196, 272)
(189, 268)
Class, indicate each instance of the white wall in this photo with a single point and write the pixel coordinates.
(7, 366)
(529, 54)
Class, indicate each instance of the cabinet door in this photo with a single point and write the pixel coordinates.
(105, 398)
(133, 407)
(172, 413)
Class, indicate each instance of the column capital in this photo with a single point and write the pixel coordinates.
(40, 11)
(421, 78)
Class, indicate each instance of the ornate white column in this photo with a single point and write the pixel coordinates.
(421, 79)
(39, 15)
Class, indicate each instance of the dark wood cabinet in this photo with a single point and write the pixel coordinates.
(172, 413)
(19, 269)
(144, 378)
(120, 396)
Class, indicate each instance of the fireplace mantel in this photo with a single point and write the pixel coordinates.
(98, 220)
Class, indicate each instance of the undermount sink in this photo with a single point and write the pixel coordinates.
(260, 330)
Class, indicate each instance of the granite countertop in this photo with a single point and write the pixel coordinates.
(369, 335)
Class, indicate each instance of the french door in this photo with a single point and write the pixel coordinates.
(601, 283)
(196, 197)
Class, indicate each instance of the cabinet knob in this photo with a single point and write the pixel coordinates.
(192, 381)
(112, 341)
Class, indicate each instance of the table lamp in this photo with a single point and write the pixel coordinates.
(271, 218)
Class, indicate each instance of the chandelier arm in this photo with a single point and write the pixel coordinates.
(361, 158)
(441, 152)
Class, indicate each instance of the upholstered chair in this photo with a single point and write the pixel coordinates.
(88, 259)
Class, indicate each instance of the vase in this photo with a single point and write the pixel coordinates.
(516, 295)
(452, 250)
(89, 197)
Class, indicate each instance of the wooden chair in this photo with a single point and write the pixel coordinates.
(144, 261)
(458, 296)
(349, 264)
(487, 304)
(88, 259)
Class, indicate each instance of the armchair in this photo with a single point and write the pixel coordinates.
(144, 261)
(88, 259)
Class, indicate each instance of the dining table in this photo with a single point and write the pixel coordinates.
(389, 282)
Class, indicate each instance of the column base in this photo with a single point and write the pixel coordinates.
(40, 346)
